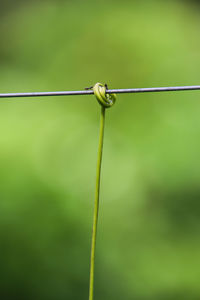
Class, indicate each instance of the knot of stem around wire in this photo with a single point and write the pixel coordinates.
(105, 100)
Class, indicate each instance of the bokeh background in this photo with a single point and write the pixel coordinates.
(148, 244)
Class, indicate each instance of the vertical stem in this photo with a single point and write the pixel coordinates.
(96, 203)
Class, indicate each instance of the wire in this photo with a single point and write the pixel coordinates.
(91, 92)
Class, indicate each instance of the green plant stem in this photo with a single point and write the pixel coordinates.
(96, 203)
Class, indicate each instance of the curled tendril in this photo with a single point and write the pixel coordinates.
(106, 100)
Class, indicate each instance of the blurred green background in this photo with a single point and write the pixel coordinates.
(148, 244)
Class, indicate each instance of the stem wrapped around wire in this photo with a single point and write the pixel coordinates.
(106, 101)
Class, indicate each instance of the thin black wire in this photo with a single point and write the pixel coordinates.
(90, 92)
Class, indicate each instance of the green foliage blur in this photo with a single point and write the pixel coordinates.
(148, 244)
